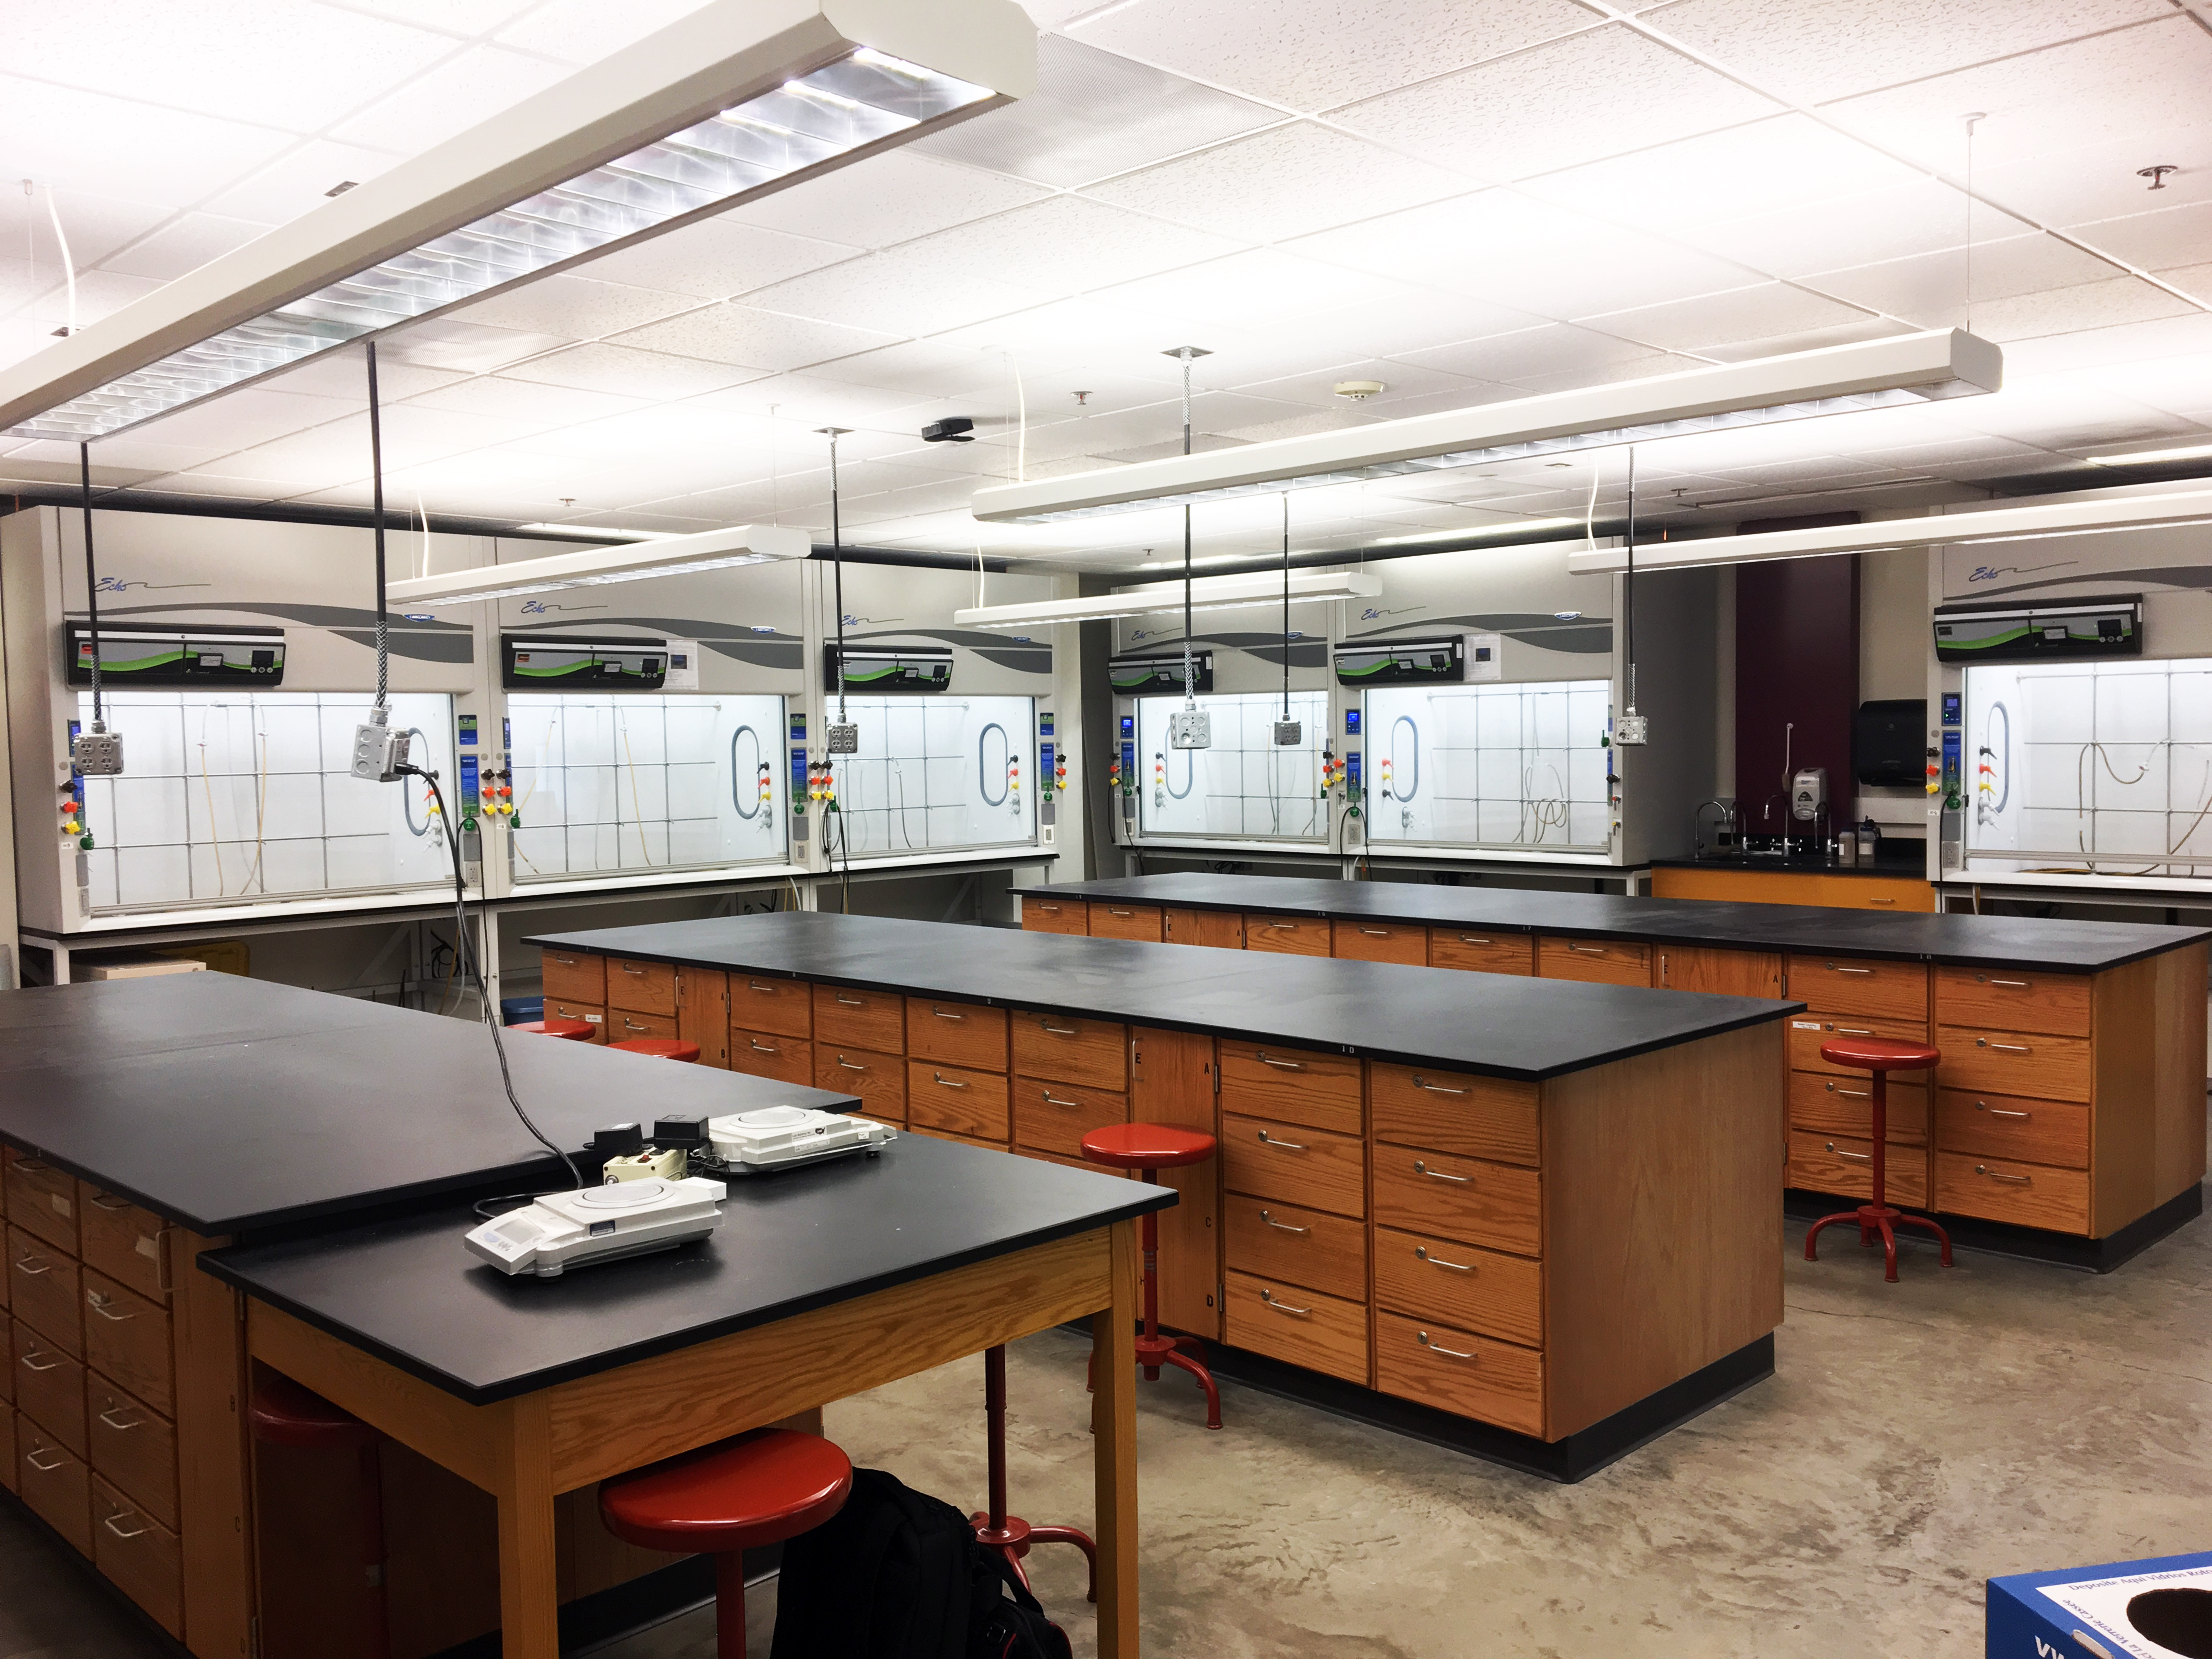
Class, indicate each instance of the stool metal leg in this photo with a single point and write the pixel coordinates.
(377, 1615)
(1878, 1216)
(1010, 1535)
(729, 1605)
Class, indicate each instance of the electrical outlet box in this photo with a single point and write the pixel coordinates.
(1289, 734)
(1190, 728)
(843, 739)
(97, 754)
(379, 752)
(1631, 731)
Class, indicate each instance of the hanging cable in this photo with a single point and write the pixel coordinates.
(376, 514)
(1286, 605)
(1628, 583)
(1189, 682)
(91, 581)
(69, 265)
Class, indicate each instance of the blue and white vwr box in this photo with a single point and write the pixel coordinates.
(2154, 1609)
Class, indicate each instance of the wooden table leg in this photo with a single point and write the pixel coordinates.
(1113, 1452)
(529, 1588)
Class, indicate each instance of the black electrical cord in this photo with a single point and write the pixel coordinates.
(91, 582)
(1286, 607)
(1628, 583)
(473, 974)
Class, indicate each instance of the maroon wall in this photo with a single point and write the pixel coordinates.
(1796, 660)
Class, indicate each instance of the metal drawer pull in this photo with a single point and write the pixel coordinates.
(629, 1024)
(1587, 950)
(1434, 1088)
(1881, 900)
(941, 1014)
(2006, 1048)
(1268, 1297)
(945, 1082)
(1260, 1054)
(849, 1065)
(1111, 911)
(1059, 1030)
(109, 1418)
(1049, 1100)
(109, 1201)
(2011, 984)
(23, 1266)
(852, 1002)
(1998, 1111)
(1469, 939)
(1994, 1175)
(1422, 1251)
(1833, 968)
(1855, 1157)
(755, 985)
(627, 969)
(39, 1353)
(764, 1047)
(109, 1521)
(1428, 1343)
(1054, 908)
(1851, 1031)
(1282, 1226)
(1853, 1094)
(105, 1308)
(1421, 1167)
(32, 1458)
(1282, 924)
(1287, 1146)
(34, 1166)
(1376, 932)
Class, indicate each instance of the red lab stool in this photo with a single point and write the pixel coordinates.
(1010, 1535)
(286, 1414)
(723, 1499)
(1149, 1148)
(659, 1049)
(1881, 1057)
(575, 1030)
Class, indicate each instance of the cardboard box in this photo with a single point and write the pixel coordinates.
(2117, 1610)
(136, 968)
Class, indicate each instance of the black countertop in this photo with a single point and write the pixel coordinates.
(227, 1104)
(2051, 946)
(408, 1291)
(1492, 1023)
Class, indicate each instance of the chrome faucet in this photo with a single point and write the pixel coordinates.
(1727, 825)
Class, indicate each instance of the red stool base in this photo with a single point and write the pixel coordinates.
(575, 1030)
(1884, 1219)
(995, 1529)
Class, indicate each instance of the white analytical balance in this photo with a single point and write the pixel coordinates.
(779, 1137)
(559, 1231)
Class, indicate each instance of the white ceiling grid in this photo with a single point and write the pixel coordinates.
(1466, 202)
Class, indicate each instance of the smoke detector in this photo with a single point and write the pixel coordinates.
(1357, 390)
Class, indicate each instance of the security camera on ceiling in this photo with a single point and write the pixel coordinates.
(952, 430)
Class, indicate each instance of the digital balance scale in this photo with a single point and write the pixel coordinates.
(559, 1231)
(779, 1137)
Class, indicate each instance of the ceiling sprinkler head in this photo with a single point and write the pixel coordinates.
(1083, 400)
(2157, 175)
(1359, 391)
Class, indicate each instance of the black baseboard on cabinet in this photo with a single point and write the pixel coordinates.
(2096, 1256)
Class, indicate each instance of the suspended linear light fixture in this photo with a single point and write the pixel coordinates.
(671, 556)
(741, 98)
(1909, 368)
(1206, 593)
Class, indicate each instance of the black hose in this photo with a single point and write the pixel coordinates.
(736, 801)
(407, 807)
(982, 771)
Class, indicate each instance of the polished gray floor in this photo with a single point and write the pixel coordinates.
(1916, 1439)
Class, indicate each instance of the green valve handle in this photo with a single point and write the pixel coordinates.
(84, 842)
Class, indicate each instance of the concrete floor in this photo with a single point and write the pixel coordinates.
(1916, 1439)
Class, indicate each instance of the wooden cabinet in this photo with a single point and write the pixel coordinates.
(50, 1386)
(1297, 936)
(139, 1555)
(1460, 1371)
(1456, 1112)
(784, 1006)
(1844, 1105)
(1091, 1052)
(958, 1033)
(575, 976)
(2013, 1063)
(770, 1054)
(1054, 1117)
(2013, 1127)
(133, 1448)
(1843, 1165)
(1294, 1085)
(2027, 1194)
(43, 1201)
(879, 1080)
(590, 1012)
(43, 1290)
(1137, 921)
(54, 1481)
(128, 1244)
(1474, 1289)
(1716, 973)
(624, 1026)
(1291, 1163)
(865, 1020)
(1322, 1333)
(1498, 1206)
(642, 987)
(1594, 962)
(1041, 915)
(1738, 885)
(1380, 941)
(971, 1104)
(1480, 952)
(2013, 1000)
(126, 1339)
(1298, 1246)
(1222, 930)
(703, 1013)
(1861, 985)
(1171, 1080)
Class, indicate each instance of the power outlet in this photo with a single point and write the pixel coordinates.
(97, 753)
(379, 752)
(1289, 734)
(1631, 731)
(1190, 728)
(844, 740)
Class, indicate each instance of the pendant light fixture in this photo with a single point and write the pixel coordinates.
(841, 737)
(1288, 733)
(1191, 728)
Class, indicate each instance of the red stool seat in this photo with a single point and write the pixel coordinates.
(659, 1049)
(286, 1414)
(759, 1488)
(575, 1030)
(1146, 1146)
(1878, 1057)
(1879, 1054)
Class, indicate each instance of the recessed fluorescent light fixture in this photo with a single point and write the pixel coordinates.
(737, 100)
(594, 532)
(2003, 524)
(1907, 369)
(1209, 593)
(673, 555)
(2142, 457)
(1516, 528)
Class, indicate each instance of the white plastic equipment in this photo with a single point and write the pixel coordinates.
(778, 1137)
(560, 1230)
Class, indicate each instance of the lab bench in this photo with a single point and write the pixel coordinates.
(1897, 884)
(2066, 1121)
(1535, 1221)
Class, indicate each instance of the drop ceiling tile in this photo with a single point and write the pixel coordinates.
(2075, 310)
(1094, 115)
(629, 373)
(252, 415)
(1834, 48)
(218, 484)
(466, 18)
(297, 181)
(1067, 245)
(1629, 269)
(1763, 313)
(909, 290)
(1262, 288)
(1590, 95)
(886, 199)
(157, 156)
(1931, 290)
(585, 31)
(183, 245)
(342, 376)
(1811, 339)
(1315, 54)
(574, 308)
(533, 405)
(1528, 353)
(1629, 368)
(472, 86)
(453, 342)
(1880, 225)
(2164, 240)
(916, 369)
(767, 340)
(716, 258)
(1402, 381)
(96, 226)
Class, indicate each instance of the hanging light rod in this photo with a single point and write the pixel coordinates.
(1206, 593)
(595, 566)
(739, 98)
(1907, 369)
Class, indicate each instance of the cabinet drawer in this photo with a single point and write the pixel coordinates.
(2030, 1194)
(878, 1079)
(575, 976)
(128, 1244)
(1481, 952)
(928, 1132)
(1293, 1164)
(1478, 1116)
(1844, 1106)
(866, 1019)
(1717, 972)
(1841, 1163)
(50, 1386)
(958, 1033)
(7, 1364)
(42, 1200)
(126, 1339)
(1594, 962)
(8, 1481)
(1138, 922)
(1809, 1032)
(1380, 941)
(1054, 915)
(138, 1555)
(1296, 1085)
(132, 1447)
(627, 1025)
(1092, 1052)
(784, 1006)
(2013, 1063)
(1297, 936)
(42, 1292)
(591, 1013)
(970, 1103)
(643, 988)
(54, 1482)
(2055, 1131)
(1456, 1370)
(1054, 1117)
(1223, 930)
(1861, 985)
(1325, 1334)
(1311, 1247)
(770, 1054)
(1485, 1291)
(1463, 1199)
(2057, 1004)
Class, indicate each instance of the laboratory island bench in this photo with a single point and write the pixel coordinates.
(202, 1174)
(1539, 1223)
(2066, 1121)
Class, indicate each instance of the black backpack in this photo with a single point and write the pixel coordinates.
(896, 1574)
